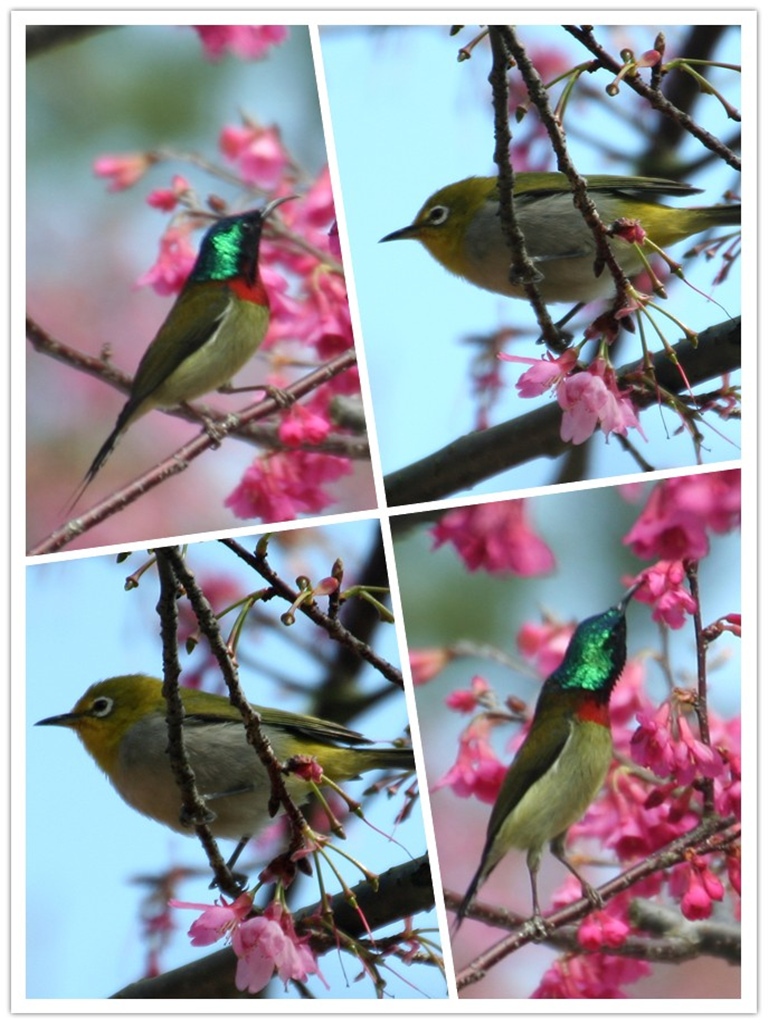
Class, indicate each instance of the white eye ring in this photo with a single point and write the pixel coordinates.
(102, 707)
(437, 215)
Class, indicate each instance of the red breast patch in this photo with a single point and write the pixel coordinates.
(591, 710)
(249, 292)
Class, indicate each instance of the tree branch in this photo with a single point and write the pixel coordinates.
(265, 435)
(41, 38)
(402, 891)
(179, 461)
(654, 97)
(484, 453)
(698, 838)
(332, 626)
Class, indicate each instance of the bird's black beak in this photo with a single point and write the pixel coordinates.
(274, 204)
(406, 232)
(622, 605)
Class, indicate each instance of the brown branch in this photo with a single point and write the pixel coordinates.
(264, 435)
(209, 626)
(675, 852)
(193, 808)
(338, 698)
(522, 269)
(604, 256)
(401, 891)
(707, 784)
(179, 461)
(483, 454)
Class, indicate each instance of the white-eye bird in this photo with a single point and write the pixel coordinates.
(122, 724)
(460, 227)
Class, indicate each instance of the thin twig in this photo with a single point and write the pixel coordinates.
(604, 256)
(522, 267)
(264, 435)
(482, 454)
(655, 98)
(209, 626)
(707, 784)
(332, 626)
(193, 808)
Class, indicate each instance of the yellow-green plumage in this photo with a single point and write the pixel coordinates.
(558, 798)
(121, 722)
(459, 226)
(221, 334)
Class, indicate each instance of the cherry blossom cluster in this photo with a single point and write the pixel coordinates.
(590, 397)
(675, 527)
(496, 537)
(250, 42)
(264, 944)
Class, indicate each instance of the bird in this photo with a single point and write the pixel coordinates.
(459, 226)
(121, 722)
(216, 324)
(564, 759)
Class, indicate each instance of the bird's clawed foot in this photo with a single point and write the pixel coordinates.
(591, 894)
(282, 398)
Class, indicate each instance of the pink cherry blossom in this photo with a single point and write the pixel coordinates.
(695, 760)
(495, 537)
(300, 425)
(427, 663)
(173, 266)
(123, 171)
(652, 745)
(665, 587)
(167, 199)
(467, 701)
(217, 920)
(544, 644)
(600, 929)
(680, 512)
(284, 485)
(258, 152)
(268, 944)
(246, 41)
(697, 886)
(544, 374)
(596, 976)
(593, 398)
(477, 770)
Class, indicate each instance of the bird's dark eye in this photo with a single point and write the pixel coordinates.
(101, 707)
(438, 215)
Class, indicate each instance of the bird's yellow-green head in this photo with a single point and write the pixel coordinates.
(105, 713)
(122, 724)
(459, 226)
(441, 223)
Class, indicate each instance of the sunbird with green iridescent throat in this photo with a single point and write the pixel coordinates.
(565, 757)
(216, 324)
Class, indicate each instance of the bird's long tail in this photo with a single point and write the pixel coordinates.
(469, 895)
(101, 457)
